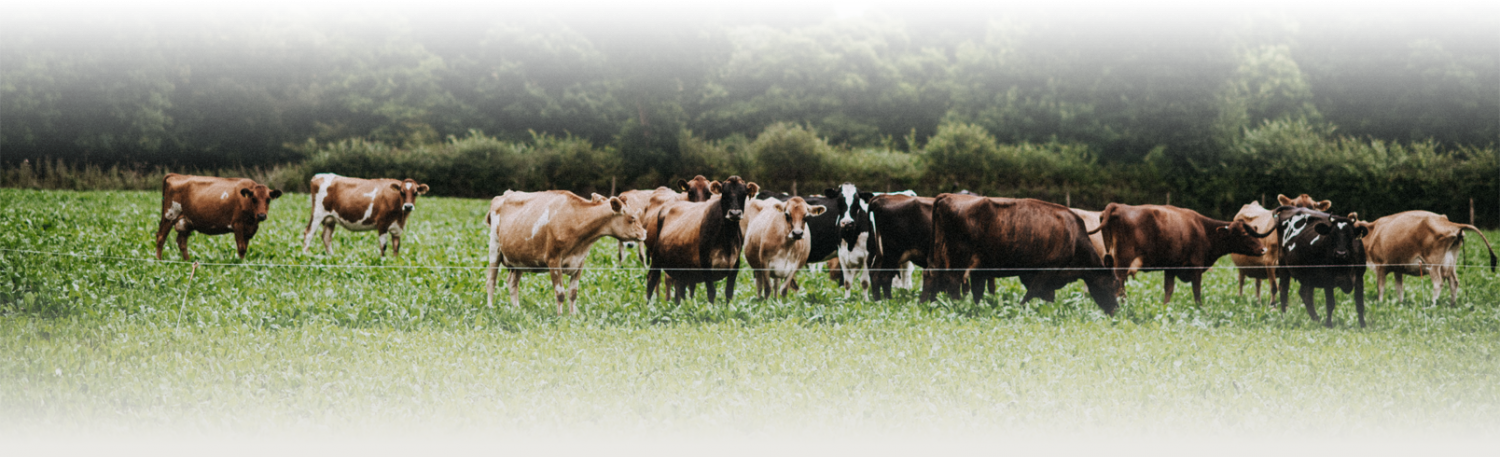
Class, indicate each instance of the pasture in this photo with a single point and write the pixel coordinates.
(103, 337)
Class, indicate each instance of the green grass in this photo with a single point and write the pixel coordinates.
(111, 339)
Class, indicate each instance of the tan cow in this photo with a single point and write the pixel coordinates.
(532, 232)
(1304, 201)
(1417, 243)
(654, 198)
(212, 206)
(777, 243)
(1091, 222)
(1262, 267)
(361, 205)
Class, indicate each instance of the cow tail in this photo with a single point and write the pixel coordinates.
(1462, 227)
(1109, 235)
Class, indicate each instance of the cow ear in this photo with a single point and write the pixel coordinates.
(422, 189)
(682, 185)
(816, 210)
(1323, 228)
(246, 192)
(830, 193)
(596, 198)
(714, 187)
(779, 207)
(617, 204)
(866, 196)
(1354, 216)
(1323, 205)
(275, 194)
(752, 189)
(396, 186)
(1285, 201)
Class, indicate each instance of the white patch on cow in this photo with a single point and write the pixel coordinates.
(850, 194)
(395, 228)
(173, 212)
(224, 195)
(1293, 228)
(1342, 224)
(540, 222)
(371, 209)
(408, 186)
(1315, 240)
(230, 226)
(1290, 247)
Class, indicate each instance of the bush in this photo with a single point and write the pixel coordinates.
(788, 153)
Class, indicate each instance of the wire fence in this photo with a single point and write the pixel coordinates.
(670, 270)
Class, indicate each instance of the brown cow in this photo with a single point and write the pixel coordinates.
(360, 205)
(655, 200)
(1417, 243)
(701, 241)
(212, 206)
(1178, 241)
(1041, 242)
(777, 243)
(1304, 201)
(1261, 267)
(552, 231)
(1091, 221)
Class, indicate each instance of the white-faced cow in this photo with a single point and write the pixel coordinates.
(700, 242)
(212, 206)
(1178, 241)
(777, 243)
(1041, 242)
(1417, 243)
(855, 229)
(1324, 251)
(360, 205)
(901, 227)
(1261, 267)
(533, 232)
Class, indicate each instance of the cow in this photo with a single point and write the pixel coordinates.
(1262, 267)
(360, 205)
(776, 244)
(1091, 221)
(552, 231)
(656, 199)
(1304, 201)
(1417, 243)
(1043, 243)
(1178, 241)
(701, 241)
(1320, 250)
(212, 206)
(692, 190)
(855, 228)
(901, 234)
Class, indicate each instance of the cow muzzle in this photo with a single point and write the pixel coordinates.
(796, 234)
(735, 214)
(408, 207)
(260, 217)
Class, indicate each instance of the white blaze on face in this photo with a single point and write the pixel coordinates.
(851, 196)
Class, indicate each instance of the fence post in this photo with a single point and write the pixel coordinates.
(1169, 199)
(611, 186)
(1068, 199)
(794, 188)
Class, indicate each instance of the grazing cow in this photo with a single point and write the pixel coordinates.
(1043, 243)
(212, 206)
(901, 229)
(360, 205)
(1262, 267)
(1328, 256)
(552, 231)
(701, 241)
(776, 244)
(1178, 241)
(1417, 243)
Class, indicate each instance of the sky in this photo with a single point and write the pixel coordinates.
(848, 9)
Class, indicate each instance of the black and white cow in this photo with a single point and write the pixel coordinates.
(1321, 250)
(856, 226)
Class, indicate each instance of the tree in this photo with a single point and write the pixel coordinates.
(659, 54)
(383, 83)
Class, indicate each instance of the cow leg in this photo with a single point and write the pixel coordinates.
(381, 237)
(1359, 301)
(513, 282)
(1257, 290)
(786, 287)
(241, 243)
(491, 275)
(1197, 281)
(559, 287)
(619, 252)
(328, 239)
(1452, 274)
(1283, 291)
(1306, 292)
(161, 235)
(395, 244)
(1380, 283)
(1168, 284)
(1400, 287)
(182, 239)
(573, 291)
(653, 277)
(976, 287)
(307, 233)
(1328, 307)
(1241, 274)
(680, 290)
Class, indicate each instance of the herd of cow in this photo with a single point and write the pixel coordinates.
(698, 233)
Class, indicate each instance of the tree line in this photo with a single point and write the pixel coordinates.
(1215, 112)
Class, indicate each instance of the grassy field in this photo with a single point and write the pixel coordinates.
(103, 337)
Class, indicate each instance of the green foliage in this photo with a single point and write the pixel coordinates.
(786, 153)
(383, 83)
(1404, 71)
(851, 80)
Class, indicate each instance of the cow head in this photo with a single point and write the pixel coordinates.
(629, 222)
(1304, 201)
(1241, 238)
(409, 190)
(698, 189)
(853, 207)
(796, 210)
(1344, 237)
(256, 200)
(733, 192)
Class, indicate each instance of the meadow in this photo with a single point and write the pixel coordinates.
(95, 334)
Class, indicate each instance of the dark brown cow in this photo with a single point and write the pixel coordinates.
(693, 190)
(902, 234)
(212, 206)
(1043, 243)
(360, 205)
(1178, 241)
(1417, 243)
(701, 241)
